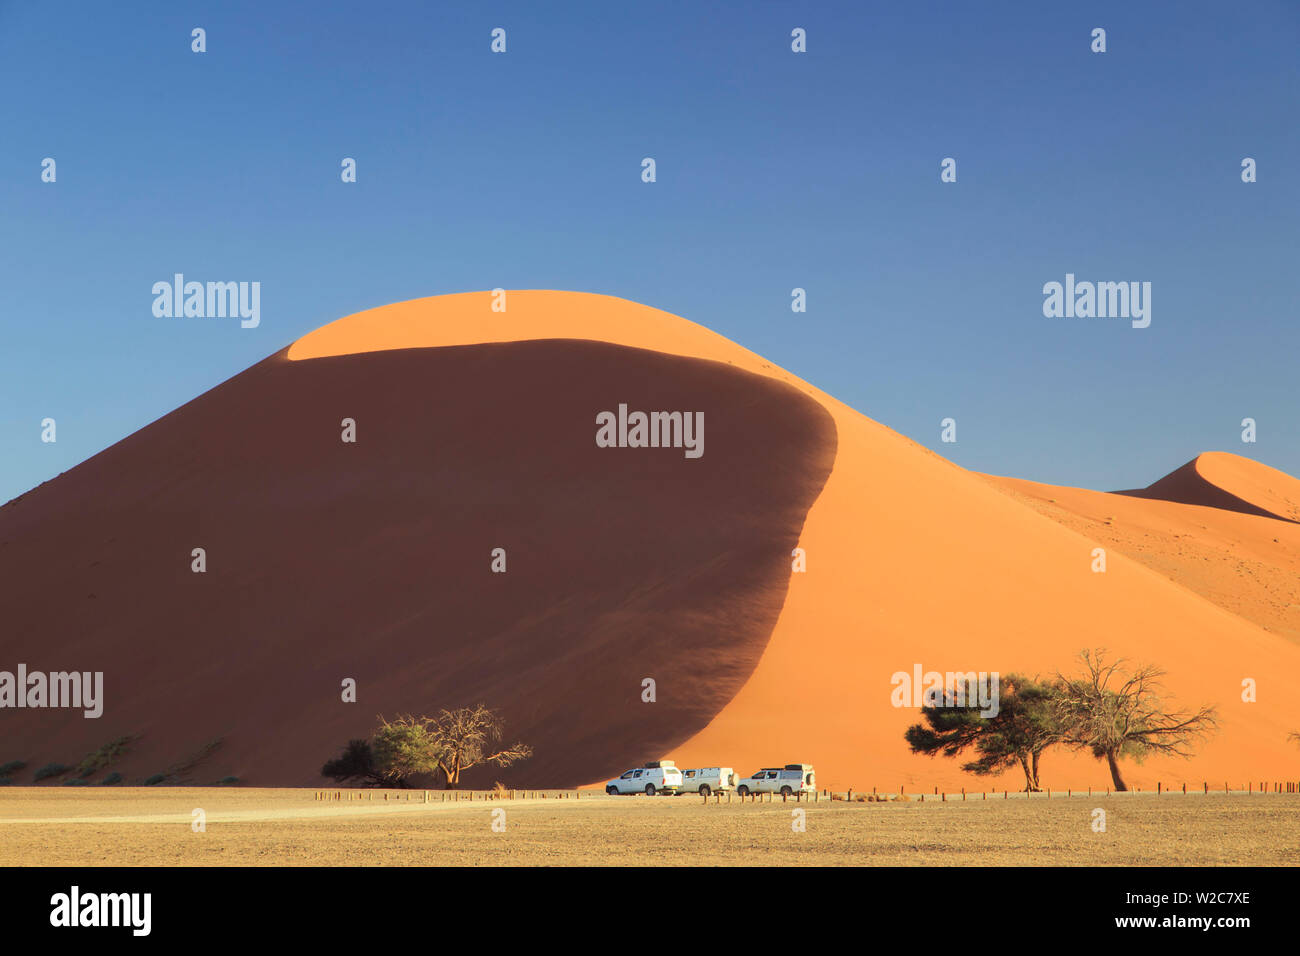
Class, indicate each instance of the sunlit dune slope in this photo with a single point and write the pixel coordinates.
(1247, 564)
(910, 560)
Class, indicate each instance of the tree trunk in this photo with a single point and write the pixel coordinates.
(1030, 783)
(1114, 771)
(1035, 768)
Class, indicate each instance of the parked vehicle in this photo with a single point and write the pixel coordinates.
(658, 776)
(707, 780)
(788, 780)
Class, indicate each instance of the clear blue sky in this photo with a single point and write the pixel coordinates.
(775, 170)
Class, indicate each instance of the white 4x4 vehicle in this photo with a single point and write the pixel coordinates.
(707, 780)
(788, 780)
(658, 776)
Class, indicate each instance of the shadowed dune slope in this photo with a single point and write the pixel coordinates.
(910, 560)
(1218, 479)
(371, 560)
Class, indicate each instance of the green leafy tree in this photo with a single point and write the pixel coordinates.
(1018, 734)
(405, 748)
(1116, 712)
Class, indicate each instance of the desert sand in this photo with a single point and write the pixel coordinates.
(255, 827)
(1247, 564)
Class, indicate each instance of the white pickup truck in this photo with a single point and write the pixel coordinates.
(658, 776)
(788, 780)
(707, 780)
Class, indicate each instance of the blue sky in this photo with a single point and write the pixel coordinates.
(775, 170)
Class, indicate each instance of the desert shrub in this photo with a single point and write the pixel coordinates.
(52, 770)
(227, 781)
(77, 782)
(111, 779)
(6, 781)
(500, 791)
(155, 780)
(100, 759)
(12, 767)
(357, 762)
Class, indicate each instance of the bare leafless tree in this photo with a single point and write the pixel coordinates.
(1115, 712)
(469, 736)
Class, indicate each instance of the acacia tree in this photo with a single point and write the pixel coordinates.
(1115, 712)
(1024, 726)
(469, 736)
(406, 747)
(357, 762)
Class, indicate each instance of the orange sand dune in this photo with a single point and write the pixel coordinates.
(911, 560)
(477, 424)
(1246, 564)
(1217, 479)
(373, 561)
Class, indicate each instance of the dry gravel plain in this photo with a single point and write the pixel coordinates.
(152, 826)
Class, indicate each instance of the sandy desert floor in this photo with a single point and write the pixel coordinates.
(290, 828)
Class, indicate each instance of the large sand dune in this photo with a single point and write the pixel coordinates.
(655, 566)
(373, 561)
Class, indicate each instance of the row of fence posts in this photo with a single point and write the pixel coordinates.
(799, 797)
(448, 796)
(456, 796)
(1278, 786)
